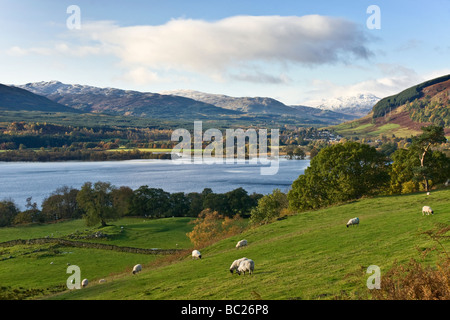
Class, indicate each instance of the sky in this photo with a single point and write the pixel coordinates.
(298, 52)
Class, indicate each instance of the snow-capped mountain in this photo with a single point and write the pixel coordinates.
(359, 105)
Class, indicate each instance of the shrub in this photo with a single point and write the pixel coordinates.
(409, 187)
(269, 208)
(415, 282)
(210, 226)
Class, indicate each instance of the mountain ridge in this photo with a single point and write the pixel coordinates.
(123, 102)
(189, 104)
(263, 105)
(14, 98)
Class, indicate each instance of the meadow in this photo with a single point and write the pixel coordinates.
(310, 255)
(31, 270)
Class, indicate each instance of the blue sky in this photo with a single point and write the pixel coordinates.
(298, 52)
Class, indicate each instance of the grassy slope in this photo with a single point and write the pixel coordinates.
(307, 256)
(43, 267)
(365, 128)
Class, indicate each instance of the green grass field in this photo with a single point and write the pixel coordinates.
(28, 271)
(311, 255)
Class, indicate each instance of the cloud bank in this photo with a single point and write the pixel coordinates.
(214, 48)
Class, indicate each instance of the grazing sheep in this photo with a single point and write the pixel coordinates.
(196, 254)
(353, 221)
(241, 243)
(427, 210)
(84, 283)
(246, 266)
(137, 268)
(235, 264)
(101, 281)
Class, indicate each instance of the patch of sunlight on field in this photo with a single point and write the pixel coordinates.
(385, 128)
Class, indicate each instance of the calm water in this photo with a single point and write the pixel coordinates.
(19, 180)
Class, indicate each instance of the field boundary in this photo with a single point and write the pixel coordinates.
(92, 245)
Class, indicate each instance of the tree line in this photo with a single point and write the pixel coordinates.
(102, 202)
(63, 154)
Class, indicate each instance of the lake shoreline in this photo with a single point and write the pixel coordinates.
(38, 180)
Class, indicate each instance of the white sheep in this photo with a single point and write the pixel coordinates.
(353, 221)
(84, 283)
(101, 281)
(241, 243)
(235, 264)
(246, 265)
(137, 268)
(196, 254)
(427, 210)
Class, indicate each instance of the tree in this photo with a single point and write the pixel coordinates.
(269, 207)
(239, 202)
(121, 199)
(178, 204)
(401, 173)
(61, 204)
(299, 154)
(211, 226)
(217, 202)
(388, 148)
(32, 214)
(97, 203)
(150, 201)
(422, 146)
(8, 212)
(338, 173)
(290, 152)
(419, 166)
(195, 204)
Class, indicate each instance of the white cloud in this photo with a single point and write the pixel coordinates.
(141, 76)
(205, 47)
(217, 49)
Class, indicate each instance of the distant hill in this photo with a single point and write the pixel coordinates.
(405, 113)
(264, 105)
(17, 99)
(327, 115)
(126, 102)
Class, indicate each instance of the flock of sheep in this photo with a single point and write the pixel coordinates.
(244, 264)
(241, 265)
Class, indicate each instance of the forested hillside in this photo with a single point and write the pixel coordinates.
(426, 102)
